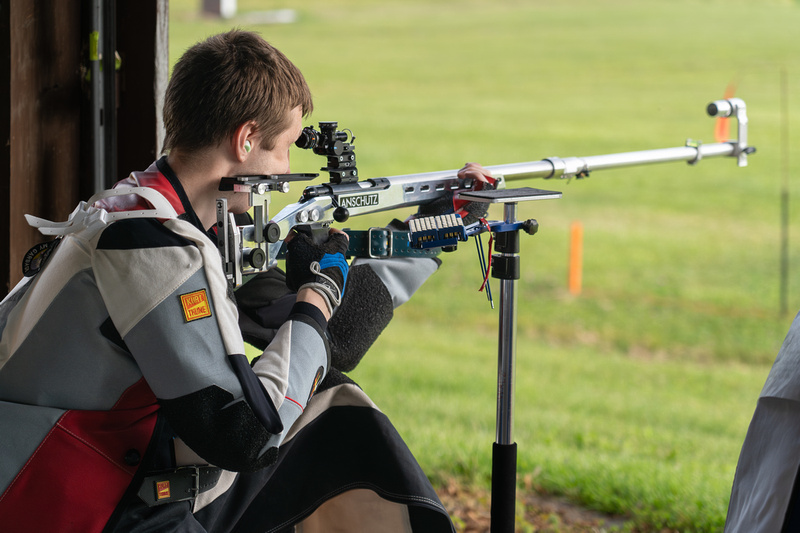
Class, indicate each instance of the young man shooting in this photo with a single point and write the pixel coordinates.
(126, 400)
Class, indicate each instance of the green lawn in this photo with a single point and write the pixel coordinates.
(635, 396)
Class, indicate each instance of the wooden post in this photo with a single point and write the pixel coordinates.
(43, 104)
(45, 159)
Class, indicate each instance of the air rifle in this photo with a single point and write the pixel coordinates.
(253, 248)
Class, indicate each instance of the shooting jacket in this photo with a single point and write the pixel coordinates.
(124, 356)
(129, 337)
(765, 495)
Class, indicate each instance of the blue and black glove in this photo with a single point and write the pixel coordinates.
(318, 266)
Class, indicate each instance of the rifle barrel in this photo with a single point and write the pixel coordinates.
(568, 167)
(556, 167)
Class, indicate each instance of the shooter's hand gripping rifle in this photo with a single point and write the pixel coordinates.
(256, 248)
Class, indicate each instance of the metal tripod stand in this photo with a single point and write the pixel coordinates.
(506, 268)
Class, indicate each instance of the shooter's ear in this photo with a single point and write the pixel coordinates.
(243, 139)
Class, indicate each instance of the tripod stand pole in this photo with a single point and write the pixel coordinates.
(504, 450)
(506, 268)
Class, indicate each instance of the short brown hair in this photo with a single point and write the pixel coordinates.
(225, 81)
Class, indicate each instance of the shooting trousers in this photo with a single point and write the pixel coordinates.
(343, 466)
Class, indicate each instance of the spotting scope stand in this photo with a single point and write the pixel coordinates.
(506, 268)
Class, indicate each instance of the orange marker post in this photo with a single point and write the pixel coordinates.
(575, 275)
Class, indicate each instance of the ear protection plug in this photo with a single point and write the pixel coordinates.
(247, 146)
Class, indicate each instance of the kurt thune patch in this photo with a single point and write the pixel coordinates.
(162, 490)
(195, 305)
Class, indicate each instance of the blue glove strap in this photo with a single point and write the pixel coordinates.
(335, 260)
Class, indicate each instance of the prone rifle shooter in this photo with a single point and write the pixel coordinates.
(253, 248)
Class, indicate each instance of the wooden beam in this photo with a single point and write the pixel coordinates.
(44, 81)
(142, 44)
(46, 161)
(5, 136)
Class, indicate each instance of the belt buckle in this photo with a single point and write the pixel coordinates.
(194, 490)
(387, 235)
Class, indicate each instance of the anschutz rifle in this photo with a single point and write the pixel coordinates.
(255, 248)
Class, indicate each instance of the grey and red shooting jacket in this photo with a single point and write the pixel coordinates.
(124, 355)
(123, 326)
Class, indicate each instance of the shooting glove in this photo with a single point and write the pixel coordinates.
(320, 267)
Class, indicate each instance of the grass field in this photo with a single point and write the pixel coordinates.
(634, 396)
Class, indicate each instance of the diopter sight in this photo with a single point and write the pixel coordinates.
(333, 144)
